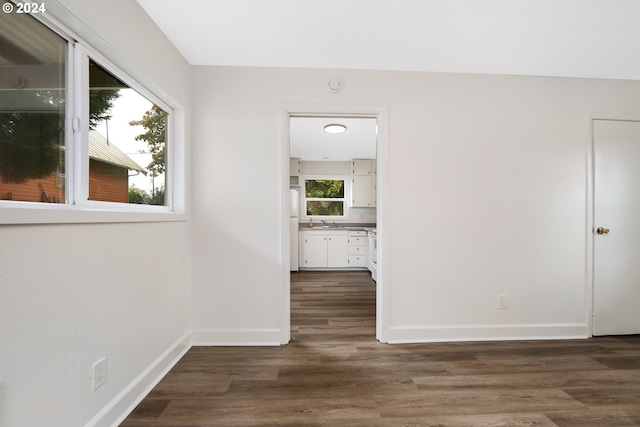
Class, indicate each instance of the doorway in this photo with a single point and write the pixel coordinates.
(616, 229)
(378, 117)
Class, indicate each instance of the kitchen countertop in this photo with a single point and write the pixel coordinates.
(350, 227)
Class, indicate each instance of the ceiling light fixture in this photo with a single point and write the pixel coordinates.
(335, 128)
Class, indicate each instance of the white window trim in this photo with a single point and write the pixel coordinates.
(82, 56)
(74, 211)
(347, 197)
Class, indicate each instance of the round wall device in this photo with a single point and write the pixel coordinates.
(334, 85)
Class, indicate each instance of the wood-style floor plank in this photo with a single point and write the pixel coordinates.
(334, 373)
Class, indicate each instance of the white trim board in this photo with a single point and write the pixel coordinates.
(125, 402)
(236, 337)
(380, 113)
(489, 332)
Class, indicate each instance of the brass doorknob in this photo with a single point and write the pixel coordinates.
(602, 230)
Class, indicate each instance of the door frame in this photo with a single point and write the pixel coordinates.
(590, 217)
(380, 113)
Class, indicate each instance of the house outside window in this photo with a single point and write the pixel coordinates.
(33, 103)
(61, 132)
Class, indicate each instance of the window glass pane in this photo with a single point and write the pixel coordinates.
(324, 188)
(325, 208)
(127, 143)
(32, 111)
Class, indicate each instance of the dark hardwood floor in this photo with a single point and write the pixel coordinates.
(334, 373)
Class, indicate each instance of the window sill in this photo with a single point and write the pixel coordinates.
(67, 214)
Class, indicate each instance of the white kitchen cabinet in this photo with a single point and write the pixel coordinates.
(363, 183)
(315, 251)
(357, 249)
(361, 167)
(294, 171)
(294, 166)
(326, 249)
(361, 194)
(338, 251)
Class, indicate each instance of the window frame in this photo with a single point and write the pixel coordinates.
(75, 209)
(83, 55)
(347, 196)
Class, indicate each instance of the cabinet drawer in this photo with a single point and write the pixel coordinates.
(357, 250)
(357, 261)
(357, 233)
(357, 241)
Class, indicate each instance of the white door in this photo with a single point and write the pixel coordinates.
(616, 246)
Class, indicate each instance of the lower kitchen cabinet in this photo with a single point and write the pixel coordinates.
(357, 249)
(315, 251)
(338, 251)
(332, 249)
(326, 249)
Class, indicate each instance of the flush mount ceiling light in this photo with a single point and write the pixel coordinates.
(335, 128)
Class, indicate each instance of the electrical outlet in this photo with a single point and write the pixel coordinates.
(502, 302)
(99, 376)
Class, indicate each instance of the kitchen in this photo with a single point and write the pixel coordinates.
(333, 176)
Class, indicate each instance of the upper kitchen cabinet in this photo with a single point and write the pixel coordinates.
(363, 183)
(294, 166)
(294, 170)
(362, 166)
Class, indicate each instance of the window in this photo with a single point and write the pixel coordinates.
(325, 197)
(127, 142)
(33, 63)
(87, 137)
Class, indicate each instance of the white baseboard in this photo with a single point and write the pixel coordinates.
(236, 337)
(126, 401)
(447, 333)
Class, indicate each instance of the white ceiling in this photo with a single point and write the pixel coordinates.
(571, 38)
(309, 141)
(565, 38)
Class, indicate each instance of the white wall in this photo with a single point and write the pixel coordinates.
(73, 293)
(485, 195)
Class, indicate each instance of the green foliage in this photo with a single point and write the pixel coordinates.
(100, 103)
(329, 208)
(324, 188)
(137, 196)
(157, 198)
(155, 123)
(31, 141)
(141, 197)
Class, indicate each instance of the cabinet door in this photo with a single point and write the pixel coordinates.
(315, 251)
(361, 191)
(361, 167)
(294, 166)
(338, 251)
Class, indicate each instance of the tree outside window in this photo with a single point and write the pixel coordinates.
(324, 197)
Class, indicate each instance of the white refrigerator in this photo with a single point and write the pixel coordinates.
(294, 220)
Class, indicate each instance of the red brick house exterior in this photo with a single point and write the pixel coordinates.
(108, 177)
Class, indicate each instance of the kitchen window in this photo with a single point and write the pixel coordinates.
(74, 129)
(326, 198)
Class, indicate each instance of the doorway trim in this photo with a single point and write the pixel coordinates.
(380, 113)
(590, 214)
